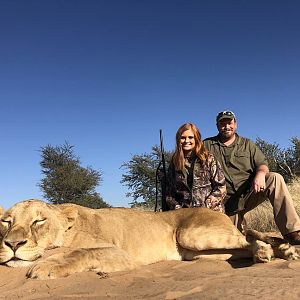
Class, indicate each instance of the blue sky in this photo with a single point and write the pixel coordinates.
(107, 75)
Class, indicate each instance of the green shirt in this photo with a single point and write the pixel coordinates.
(239, 162)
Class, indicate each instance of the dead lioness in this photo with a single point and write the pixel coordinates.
(114, 239)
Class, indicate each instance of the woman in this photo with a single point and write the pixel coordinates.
(195, 178)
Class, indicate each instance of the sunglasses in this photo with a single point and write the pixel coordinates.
(227, 113)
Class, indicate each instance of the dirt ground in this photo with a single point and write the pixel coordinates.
(202, 279)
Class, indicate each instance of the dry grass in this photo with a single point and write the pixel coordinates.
(261, 218)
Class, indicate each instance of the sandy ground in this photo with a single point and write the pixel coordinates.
(202, 279)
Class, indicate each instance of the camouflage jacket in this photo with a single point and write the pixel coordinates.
(204, 187)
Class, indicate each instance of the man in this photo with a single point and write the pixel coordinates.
(248, 179)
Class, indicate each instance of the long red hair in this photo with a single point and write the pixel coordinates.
(178, 158)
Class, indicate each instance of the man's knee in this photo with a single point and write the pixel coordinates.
(274, 177)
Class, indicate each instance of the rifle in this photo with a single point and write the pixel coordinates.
(163, 179)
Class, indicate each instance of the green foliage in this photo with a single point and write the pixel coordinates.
(140, 177)
(66, 181)
(294, 156)
(284, 161)
(272, 152)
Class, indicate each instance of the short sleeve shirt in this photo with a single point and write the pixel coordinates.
(239, 162)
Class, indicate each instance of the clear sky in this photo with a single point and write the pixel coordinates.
(107, 75)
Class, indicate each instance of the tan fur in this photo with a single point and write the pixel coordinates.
(114, 239)
(1, 210)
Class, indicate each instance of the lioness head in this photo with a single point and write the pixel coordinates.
(31, 227)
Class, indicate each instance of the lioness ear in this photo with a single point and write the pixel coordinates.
(2, 229)
(1, 211)
(71, 213)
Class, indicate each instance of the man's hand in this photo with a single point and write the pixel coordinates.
(259, 181)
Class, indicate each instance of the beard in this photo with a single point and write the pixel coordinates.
(226, 134)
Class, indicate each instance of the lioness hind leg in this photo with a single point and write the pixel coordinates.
(223, 240)
(287, 251)
(199, 239)
(108, 259)
(262, 252)
(281, 248)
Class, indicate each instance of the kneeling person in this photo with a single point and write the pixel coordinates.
(248, 179)
(195, 178)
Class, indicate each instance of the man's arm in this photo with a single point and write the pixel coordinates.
(259, 181)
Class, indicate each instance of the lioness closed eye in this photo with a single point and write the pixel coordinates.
(114, 239)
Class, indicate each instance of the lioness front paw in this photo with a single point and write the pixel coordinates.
(47, 270)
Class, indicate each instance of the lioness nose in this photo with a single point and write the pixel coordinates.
(14, 245)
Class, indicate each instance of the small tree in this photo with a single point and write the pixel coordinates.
(272, 152)
(284, 161)
(294, 156)
(66, 181)
(140, 177)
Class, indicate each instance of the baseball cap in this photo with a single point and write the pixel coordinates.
(226, 114)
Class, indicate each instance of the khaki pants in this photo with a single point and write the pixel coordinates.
(285, 215)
